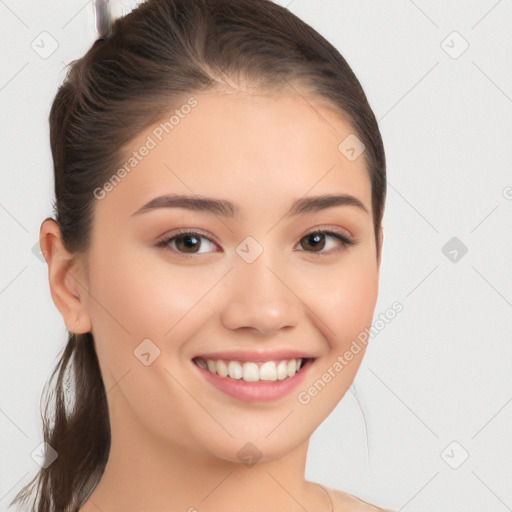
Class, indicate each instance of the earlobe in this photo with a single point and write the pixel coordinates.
(65, 277)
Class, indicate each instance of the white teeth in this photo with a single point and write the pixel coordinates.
(222, 369)
(235, 370)
(268, 371)
(250, 371)
(281, 370)
(291, 368)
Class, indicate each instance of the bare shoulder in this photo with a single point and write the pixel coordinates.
(344, 502)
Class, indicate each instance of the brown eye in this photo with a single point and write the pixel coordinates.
(186, 242)
(190, 242)
(317, 240)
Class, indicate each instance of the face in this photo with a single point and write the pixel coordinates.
(234, 284)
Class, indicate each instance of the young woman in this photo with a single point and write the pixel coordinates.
(219, 191)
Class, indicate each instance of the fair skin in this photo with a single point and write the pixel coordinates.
(175, 436)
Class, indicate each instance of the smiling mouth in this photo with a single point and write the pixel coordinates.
(249, 371)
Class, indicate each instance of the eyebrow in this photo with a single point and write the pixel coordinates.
(225, 208)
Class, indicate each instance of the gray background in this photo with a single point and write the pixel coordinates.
(435, 387)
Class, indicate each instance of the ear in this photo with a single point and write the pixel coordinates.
(68, 286)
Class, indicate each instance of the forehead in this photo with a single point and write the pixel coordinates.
(255, 150)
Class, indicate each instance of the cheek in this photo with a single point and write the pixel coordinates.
(344, 297)
(136, 297)
(345, 301)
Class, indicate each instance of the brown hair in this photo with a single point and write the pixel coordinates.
(159, 53)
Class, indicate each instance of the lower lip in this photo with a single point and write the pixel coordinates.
(262, 391)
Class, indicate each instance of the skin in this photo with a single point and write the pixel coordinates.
(175, 437)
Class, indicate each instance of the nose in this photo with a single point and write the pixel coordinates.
(260, 298)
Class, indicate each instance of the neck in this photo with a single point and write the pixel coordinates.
(145, 472)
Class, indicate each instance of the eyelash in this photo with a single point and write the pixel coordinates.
(166, 241)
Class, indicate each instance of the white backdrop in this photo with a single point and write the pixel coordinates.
(435, 386)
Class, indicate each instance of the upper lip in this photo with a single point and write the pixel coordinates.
(256, 356)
